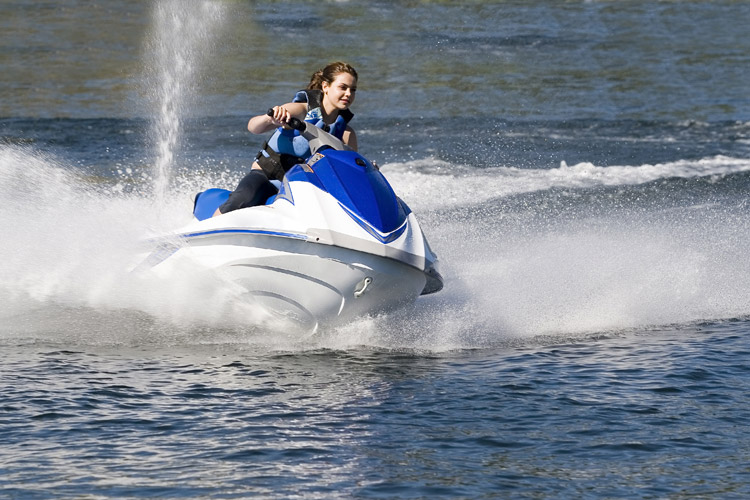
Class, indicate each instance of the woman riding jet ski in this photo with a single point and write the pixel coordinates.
(325, 103)
(333, 244)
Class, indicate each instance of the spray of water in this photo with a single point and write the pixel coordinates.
(68, 253)
(544, 258)
(182, 38)
(515, 266)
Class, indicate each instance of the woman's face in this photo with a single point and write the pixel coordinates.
(340, 93)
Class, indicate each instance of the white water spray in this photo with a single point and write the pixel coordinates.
(184, 31)
(510, 275)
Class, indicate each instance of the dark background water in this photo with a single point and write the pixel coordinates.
(581, 169)
(646, 415)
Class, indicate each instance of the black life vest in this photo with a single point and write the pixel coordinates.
(286, 148)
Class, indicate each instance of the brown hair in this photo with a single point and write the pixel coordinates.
(329, 73)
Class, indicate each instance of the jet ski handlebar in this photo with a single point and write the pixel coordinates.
(293, 122)
(317, 137)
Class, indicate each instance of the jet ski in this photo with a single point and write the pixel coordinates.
(335, 243)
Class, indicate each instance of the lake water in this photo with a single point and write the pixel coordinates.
(580, 168)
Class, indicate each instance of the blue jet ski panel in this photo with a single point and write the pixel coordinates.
(356, 184)
(347, 176)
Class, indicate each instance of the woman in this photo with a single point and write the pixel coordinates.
(325, 103)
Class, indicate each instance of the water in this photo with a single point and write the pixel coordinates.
(581, 169)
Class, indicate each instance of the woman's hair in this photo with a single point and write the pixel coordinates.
(329, 74)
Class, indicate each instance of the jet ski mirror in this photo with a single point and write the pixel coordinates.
(317, 137)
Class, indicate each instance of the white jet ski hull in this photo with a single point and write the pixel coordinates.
(305, 282)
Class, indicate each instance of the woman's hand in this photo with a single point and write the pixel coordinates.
(276, 117)
(280, 116)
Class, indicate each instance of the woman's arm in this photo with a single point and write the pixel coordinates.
(263, 123)
(350, 138)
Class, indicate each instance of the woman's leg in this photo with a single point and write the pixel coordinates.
(254, 189)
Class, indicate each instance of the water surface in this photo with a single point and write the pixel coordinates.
(581, 169)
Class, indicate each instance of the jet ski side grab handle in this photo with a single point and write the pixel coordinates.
(317, 137)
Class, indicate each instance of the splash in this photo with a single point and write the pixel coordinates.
(182, 37)
(68, 254)
(535, 262)
(433, 184)
(542, 276)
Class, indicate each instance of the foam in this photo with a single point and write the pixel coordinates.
(68, 247)
(429, 184)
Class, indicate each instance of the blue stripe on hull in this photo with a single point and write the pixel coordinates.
(259, 232)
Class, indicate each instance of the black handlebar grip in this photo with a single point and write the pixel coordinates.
(293, 122)
(296, 124)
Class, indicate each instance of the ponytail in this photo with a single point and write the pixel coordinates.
(329, 73)
(316, 81)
